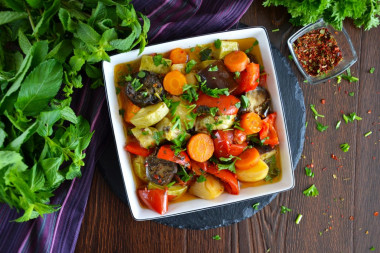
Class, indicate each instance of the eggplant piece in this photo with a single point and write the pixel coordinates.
(149, 89)
(160, 171)
(222, 78)
(252, 58)
(259, 101)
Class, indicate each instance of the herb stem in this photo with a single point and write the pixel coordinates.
(299, 217)
(31, 22)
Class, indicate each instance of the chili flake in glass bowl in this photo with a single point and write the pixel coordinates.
(321, 52)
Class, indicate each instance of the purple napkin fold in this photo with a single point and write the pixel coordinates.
(58, 232)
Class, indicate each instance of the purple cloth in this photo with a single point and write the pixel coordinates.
(58, 232)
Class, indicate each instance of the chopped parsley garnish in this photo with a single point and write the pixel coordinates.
(121, 112)
(190, 92)
(308, 172)
(141, 74)
(298, 220)
(238, 104)
(209, 127)
(192, 49)
(183, 174)
(284, 209)
(178, 143)
(228, 166)
(321, 127)
(349, 77)
(237, 74)
(368, 134)
(190, 65)
(117, 90)
(338, 79)
(275, 30)
(250, 49)
(157, 136)
(213, 111)
(316, 114)
(128, 78)
(214, 92)
(345, 147)
(237, 126)
(173, 107)
(273, 169)
(216, 237)
(217, 43)
(213, 69)
(190, 124)
(256, 206)
(136, 85)
(351, 94)
(158, 60)
(244, 101)
(205, 54)
(227, 159)
(338, 124)
(312, 191)
(351, 117)
(372, 70)
(201, 179)
(372, 248)
(170, 184)
(144, 132)
(290, 57)
(176, 123)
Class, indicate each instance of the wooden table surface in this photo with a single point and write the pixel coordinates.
(340, 219)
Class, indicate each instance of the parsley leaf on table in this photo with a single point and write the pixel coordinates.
(311, 191)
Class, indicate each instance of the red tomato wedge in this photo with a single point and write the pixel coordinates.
(225, 145)
(136, 149)
(166, 153)
(225, 104)
(155, 199)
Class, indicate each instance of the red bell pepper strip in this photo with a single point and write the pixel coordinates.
(136, 149)
(268, 131)
(198, 168)
(225, 145)
(249, 79)
(225, 104)
(239, 136)
(237, 149)
(155, 199)
(166, 153)
(228, 178)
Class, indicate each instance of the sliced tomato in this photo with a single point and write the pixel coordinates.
(225, 104)
(222, 142)
(237, 149)
(165, 152)
(249, 78)
(268, 131)
(229, 179)
(135, 148)
(155, 199)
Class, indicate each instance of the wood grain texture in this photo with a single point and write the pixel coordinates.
(347, 187)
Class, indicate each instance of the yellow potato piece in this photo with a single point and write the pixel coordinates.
(209, 189)
(150, 115)
(256, 173)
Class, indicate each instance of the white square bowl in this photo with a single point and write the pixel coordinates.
(287, 178)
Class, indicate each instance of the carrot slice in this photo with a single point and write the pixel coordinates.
(236, 61)
(251, 122)
(178, 55)
(130, 110)
(174, 82)
(248, 159)
(200, 147)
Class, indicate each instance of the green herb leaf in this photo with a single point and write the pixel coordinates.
(368, 134)
(201, 179)
(316, 114)
(372, 70)
(216, 237)
(321, 127)
(351, 94)
(190, 65)
(275, 30)
(298, 219)
(311, 191)
(205, 54)
(213, 69)
(213, 111)
(349, 77)
(290, 57)
(338, 124)
(344, 147)
(190, 92)
(372, 248)
(256, 206)
(308, 172)
(284, 209)
(250, 49)
(217, 43)
(244, 101)
(214, 92)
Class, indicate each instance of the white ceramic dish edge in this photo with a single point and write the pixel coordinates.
(287, 177)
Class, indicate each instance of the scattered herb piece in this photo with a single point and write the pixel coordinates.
(311, 191)
(316, 114)
(121, 112)
(308, 172)
(256, 206)
(349, 77)
(274, 171)
(368, 134)
(192, 49)
(351, 117)
(321, 127)
(351, 94)
(190, 65)
(284, 209)
(190, 92)
(216, 237)
(159, 60)
(299, 217)
(213, 111)
(339, 79)
(275, 30)
(170, 184)
(117, 90)
(244, 101)
(290, 57)
(205, 54)
(338, 124)
(306, 123)
(250, 49)
(372, 248)
(344, 147)
(141, 74)
(157, 136)
(214, 92)
(372, 70)
(183, 174)
(238, 104)
(201, 179)
(237, 75)
(213, 69)
(217, 43)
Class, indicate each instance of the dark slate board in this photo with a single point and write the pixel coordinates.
(295, 117)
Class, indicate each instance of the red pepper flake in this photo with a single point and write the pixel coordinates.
(369, 112)
(351, 217)
(330, 227)
(346, 92)
(341, 111)
(334, 157)
(339, 88)
(311, 165)
(324, 169)
(323, 101)
(317, 51)
(373, 157)
(312, 143)
(376, 213)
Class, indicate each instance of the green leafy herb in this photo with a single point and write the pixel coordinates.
(141, 74)
(213, 111)
(368, 134)
(176, 123)
(230, 165)
(290, 57)
(274, 171)
(250, 49)
(136, 85)
(182, 173)
(316, 114)
(238, 104)
(192, 49)
(349, 77)
(308, 172)
(339, 79)
(244, 101)
(338, 124)
(372, 248)
(284, 209)
(121, 112)
(275, 30)
(298, 219)
(372, 70)
(351, 94)
(209, 127)
(237, 126)
(205, 54)
(237, 74)
(159, 60)
(190, 92)
(312, 191)
(213, 69)
(201, 179)
(351, 117)
(216, 237)
(217, 43)
(303, 12)
(344, 147)
(256, 206)
(321, 127)
(214, 92)
(157, 136)
(170, 184)
(190, 65)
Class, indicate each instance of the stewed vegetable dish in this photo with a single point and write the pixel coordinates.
(199, 122)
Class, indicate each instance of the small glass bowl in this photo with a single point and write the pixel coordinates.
(344, 43)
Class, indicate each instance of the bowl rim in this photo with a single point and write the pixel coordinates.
(287, 185)
(312, 26)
